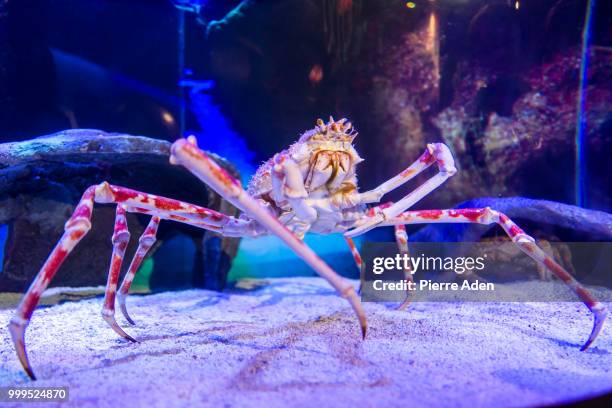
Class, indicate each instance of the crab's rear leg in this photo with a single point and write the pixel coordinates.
(74, 230)
(146, 241)
(186, 153)
(520, 238)
(120, 240)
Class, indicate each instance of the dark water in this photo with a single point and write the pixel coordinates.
(519, 89)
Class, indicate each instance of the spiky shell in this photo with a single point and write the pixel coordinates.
(334, 136)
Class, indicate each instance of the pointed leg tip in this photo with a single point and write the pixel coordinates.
(403, 306)
(363, 323)
(110, 319)
(17, 331)
(588, 343)
(355, 303)
(30, 373)
(125, 313)
(599, 317)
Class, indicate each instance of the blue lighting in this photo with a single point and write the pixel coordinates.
(216, 134)
(581, 159)
(3, 237)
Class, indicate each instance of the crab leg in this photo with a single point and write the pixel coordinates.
(401, 237)
(520, 238)
(146, 241)
(75, 229)
(356, 257)
(120, 240)
(435, 153)
(80, 223)
(354, 252)
(186, 153)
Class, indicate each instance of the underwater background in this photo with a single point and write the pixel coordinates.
(519, 89)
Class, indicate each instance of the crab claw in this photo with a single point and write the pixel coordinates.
(17, 330)
(599, 317)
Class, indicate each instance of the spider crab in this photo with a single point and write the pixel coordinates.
(311, 186)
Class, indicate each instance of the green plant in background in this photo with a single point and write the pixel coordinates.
(141, 280)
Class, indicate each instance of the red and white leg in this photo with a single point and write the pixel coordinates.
(356, 257)
(186, 153)
(120, 240)
(401, 238)
(435, 153)
(354, 252)
(74, 230)
(80, 223)
(520, 238)
(146, 241)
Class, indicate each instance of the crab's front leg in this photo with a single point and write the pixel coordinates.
(186, 153)
(437, 153)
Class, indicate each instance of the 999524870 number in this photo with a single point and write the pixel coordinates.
(33, 394)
